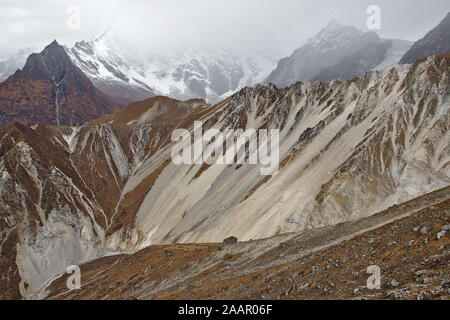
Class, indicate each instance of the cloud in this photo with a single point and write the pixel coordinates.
(244, 24)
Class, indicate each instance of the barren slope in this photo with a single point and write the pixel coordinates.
(348, 149)
(323, 263)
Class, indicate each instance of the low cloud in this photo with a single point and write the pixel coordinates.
(236, 24)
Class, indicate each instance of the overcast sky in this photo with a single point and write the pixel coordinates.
(247, 24)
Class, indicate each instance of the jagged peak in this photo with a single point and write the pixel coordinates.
(54, 47)
(54, 43)
(41, 65)
(100, 40)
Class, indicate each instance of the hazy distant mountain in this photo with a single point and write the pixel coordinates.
(15, 62)
(51, 89)
(180, 72)
(394, 53)
(435, 42)
(337, 51)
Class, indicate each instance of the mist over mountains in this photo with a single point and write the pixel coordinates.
(119, 76)
(181, 72)
(337, 52)
(185, 72)
(87, 175)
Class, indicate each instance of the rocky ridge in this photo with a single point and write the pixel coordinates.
(348, 149)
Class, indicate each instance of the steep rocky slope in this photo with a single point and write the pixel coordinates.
(51, 89)
(337, 52)
(348, 149)
(408, 242)
(60, 186)
(437, 41)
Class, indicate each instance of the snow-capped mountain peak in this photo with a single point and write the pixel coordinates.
(181, 71)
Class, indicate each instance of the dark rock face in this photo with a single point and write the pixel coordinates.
(230, 240)
(51, 89)
(336, 52)
(435, 42)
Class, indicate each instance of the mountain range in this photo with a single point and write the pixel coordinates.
(117, 75)
(337, 52)
(14, 63)
(348, 149)
(87, 177)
